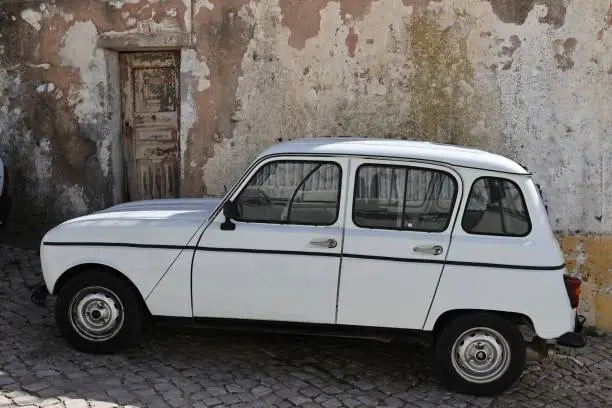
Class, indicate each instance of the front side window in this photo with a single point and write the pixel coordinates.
(403, 198)
(292, 192)
(496, 206)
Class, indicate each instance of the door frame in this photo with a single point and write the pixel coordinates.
(349, 224)
(125, 90)
(217, 218)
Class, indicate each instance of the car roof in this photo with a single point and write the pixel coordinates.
(395, 148)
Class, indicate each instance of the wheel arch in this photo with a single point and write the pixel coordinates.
(450, 315)
(75, 270)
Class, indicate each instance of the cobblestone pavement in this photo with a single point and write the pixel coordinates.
(200, 369)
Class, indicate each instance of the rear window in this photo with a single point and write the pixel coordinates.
(496, 206)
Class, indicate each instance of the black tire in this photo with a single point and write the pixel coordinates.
(113, 298)
(464, 381)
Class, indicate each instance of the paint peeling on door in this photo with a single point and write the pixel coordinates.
(150, 117)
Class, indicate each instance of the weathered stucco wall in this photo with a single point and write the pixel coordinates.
(531, 79)
(59, 117)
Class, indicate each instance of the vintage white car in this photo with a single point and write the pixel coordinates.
(337, 236)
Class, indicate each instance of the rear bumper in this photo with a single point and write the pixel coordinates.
(576, 338)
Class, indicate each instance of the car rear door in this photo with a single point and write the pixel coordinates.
(397, 234)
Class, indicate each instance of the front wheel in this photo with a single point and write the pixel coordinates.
(99, 313)
(480, 354)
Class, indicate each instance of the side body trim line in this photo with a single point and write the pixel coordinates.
(307, 253)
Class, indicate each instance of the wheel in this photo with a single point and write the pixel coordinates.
(99, 313)
(480, 354)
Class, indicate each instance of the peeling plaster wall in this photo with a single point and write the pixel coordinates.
(60, 104)
(408, 77)
(589, 257)
(531, 79)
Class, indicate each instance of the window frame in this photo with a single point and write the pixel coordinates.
(523, 202)
(318, 162)
(406, 167)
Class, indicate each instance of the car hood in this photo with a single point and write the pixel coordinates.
(148, 222)
(193, 206)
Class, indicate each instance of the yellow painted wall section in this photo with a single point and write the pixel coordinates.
(590, 258)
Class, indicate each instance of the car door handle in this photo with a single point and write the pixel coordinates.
(434, 250)
(327, 243)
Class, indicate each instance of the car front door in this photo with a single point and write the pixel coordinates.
(282, 260)
(398, 228)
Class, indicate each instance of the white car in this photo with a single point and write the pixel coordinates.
(340, 236)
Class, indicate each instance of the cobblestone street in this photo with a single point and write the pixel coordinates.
(204, 368)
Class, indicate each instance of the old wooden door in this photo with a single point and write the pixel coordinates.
(150, 112)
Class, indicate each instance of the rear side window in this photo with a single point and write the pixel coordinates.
(403, 198)
(496, 206)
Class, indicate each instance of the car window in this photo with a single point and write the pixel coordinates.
(292, 192)
(496, 206)
(404, 198)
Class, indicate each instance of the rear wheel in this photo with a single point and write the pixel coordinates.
(480, 354)
(98, 312)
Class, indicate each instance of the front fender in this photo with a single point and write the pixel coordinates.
(144, 267)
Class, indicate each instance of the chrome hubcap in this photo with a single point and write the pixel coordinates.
(481, 355)
(96, 313)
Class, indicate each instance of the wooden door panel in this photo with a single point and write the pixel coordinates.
(155, 134)
(156, 119)
(155, 90)
(156, 178)
(153, 59)
(166, 151)
(150, 95)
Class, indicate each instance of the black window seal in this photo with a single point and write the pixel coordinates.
(523, 202)
(295, 192)
(284, 160)
(406, 168)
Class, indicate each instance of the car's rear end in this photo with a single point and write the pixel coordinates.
(5, 194)
(573, 286)
(574, 338)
